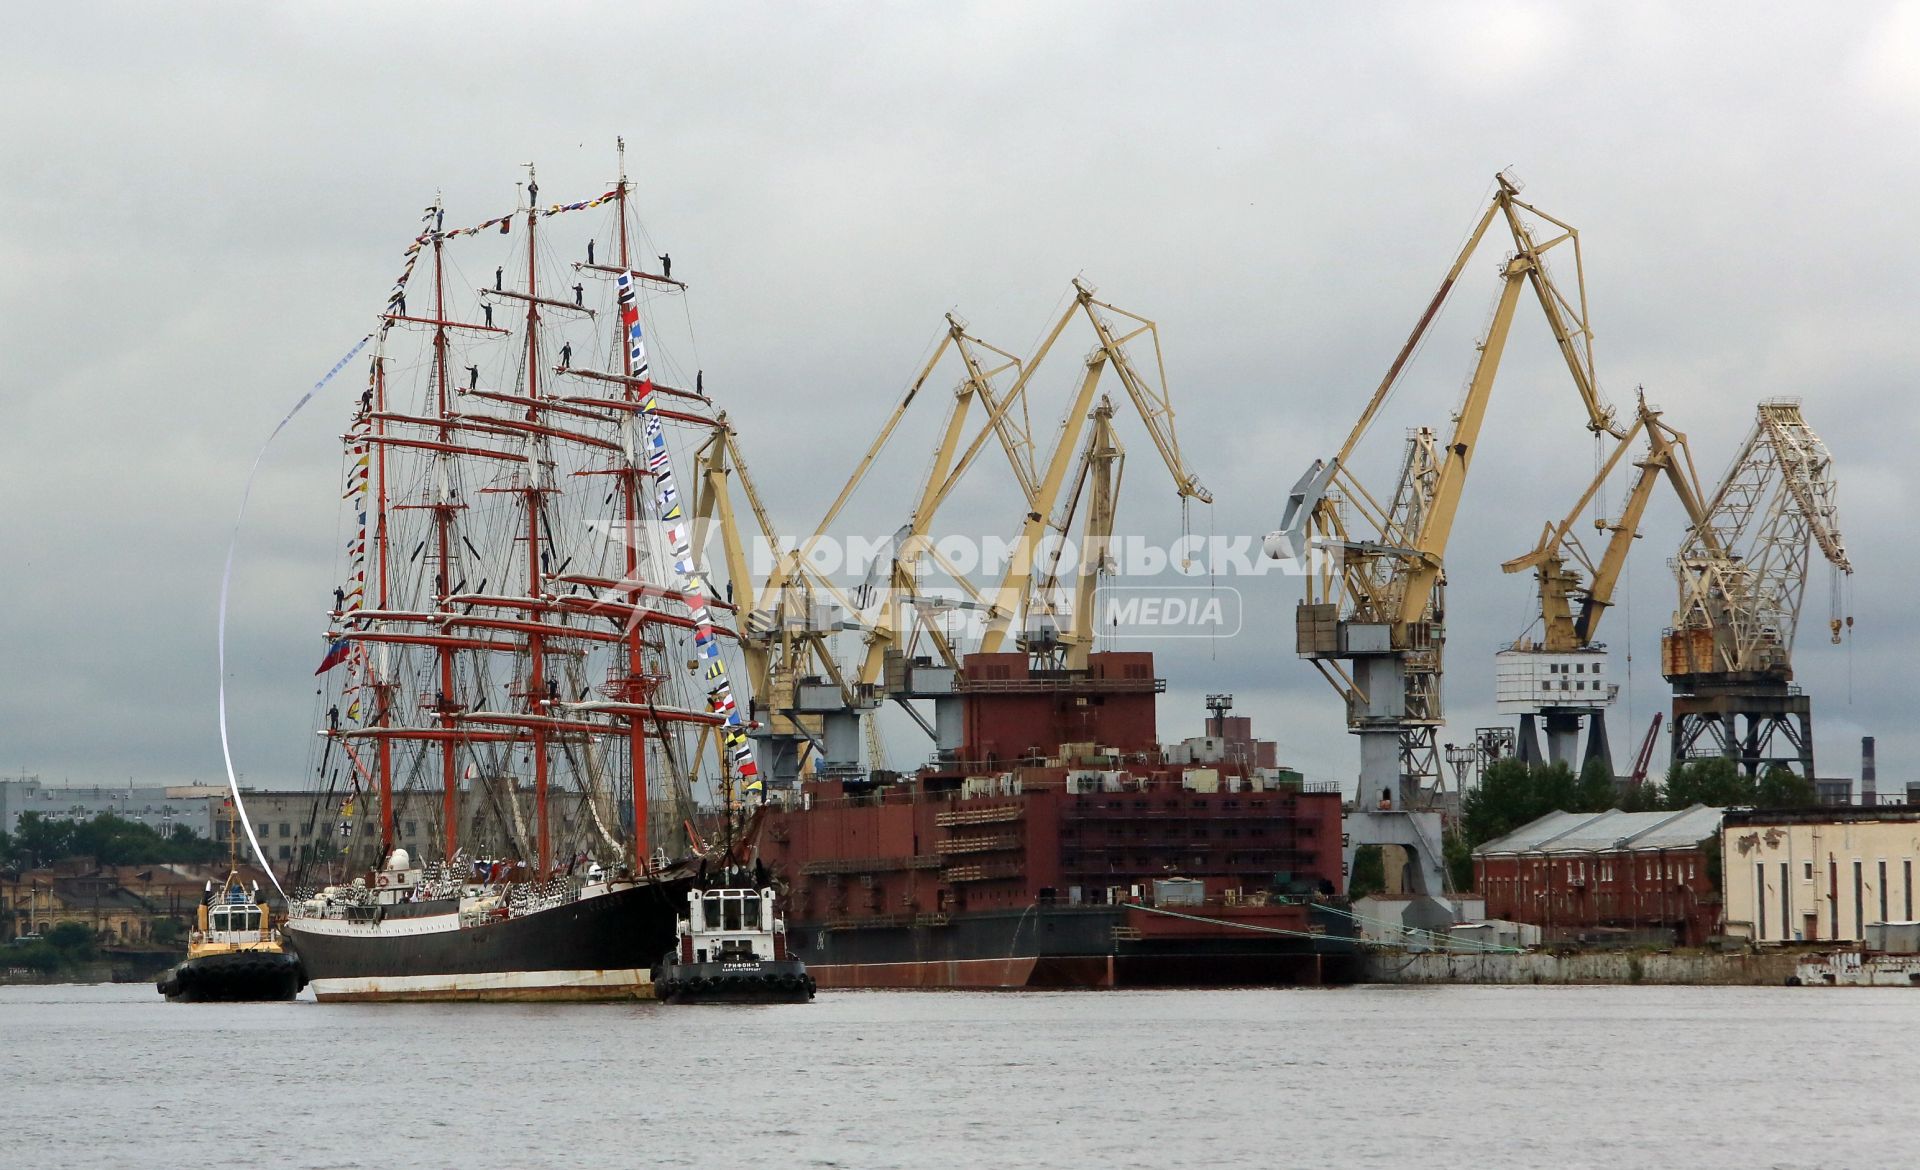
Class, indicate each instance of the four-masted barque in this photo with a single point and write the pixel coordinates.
(526, 709)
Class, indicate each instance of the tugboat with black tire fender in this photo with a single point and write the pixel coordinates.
(732, 948)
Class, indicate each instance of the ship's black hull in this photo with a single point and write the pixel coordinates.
(755, 981)
(234, 977)
(596, 948)
(1074, 946)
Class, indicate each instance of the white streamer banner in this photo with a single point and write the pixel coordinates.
(226, 581)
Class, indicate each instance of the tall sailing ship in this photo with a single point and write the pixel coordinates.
(526, 710)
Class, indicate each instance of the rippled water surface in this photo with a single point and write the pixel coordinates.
(1371, 1076)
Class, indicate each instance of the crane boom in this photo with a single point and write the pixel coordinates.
(1668, 456)
(1377, 600)
(1743, 568)
(1156, 412)
(1742, 574)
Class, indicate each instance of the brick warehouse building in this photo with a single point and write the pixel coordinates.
(1577, 873)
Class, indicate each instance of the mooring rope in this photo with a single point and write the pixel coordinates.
(1466, 946)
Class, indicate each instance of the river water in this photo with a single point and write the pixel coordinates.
(1405, 1077)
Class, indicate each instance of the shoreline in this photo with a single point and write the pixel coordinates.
(1766, 969)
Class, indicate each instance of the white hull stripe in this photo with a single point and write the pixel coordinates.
(390, 928)
(490, 984)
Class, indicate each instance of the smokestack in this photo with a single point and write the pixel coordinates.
(1869, 784)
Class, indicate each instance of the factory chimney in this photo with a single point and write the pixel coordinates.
(1869, 784)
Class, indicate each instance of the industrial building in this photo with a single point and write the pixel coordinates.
(1823, 874)
(159, 807)
(1583, 874)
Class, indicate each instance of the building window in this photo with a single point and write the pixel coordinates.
(1786, 904)
(1859, 900)
(1806, 873)
(1883, 890)
(1907, 868)
(286, 852)
(1580, 669)
(1760, 899)
(286, 828)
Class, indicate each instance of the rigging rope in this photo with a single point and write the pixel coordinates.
(226, 580)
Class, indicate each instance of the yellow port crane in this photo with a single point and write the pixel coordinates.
(1742, 574)
(1564, 676)
(895, 611)
(1375, 572)
(807, 703)
(1154, 405)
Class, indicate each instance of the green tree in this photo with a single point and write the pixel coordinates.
(1782, 787)
(1369, 872)
(1501, 803)
(38, 840)
(186, 845)
(1717, 781)
(1647, 796)
(35, 956)
(1458, 855)
(75, 941)
(1555, 788)
(108, 839)
(115, 840)
(1594, 792)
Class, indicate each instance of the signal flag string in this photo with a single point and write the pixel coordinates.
(693, 587)
(226, 581)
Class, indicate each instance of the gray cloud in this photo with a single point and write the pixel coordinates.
(201, 211)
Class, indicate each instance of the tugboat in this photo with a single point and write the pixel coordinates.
(235, 954)
(732, 949)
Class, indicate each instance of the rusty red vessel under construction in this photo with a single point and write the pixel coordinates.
(1061, 845)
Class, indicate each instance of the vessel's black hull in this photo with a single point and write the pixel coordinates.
(755, 981)
(592, 949)
(1073, 946)
(233, 977)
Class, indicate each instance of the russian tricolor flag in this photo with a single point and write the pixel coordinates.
(336, 654)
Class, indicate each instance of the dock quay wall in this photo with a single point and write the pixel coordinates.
(1763, 969)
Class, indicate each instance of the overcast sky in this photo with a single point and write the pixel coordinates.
(202, 207)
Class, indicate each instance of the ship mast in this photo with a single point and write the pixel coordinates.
(443, 537)
(635, 688)
(380, 683)
(536, 645)
(430, 607)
